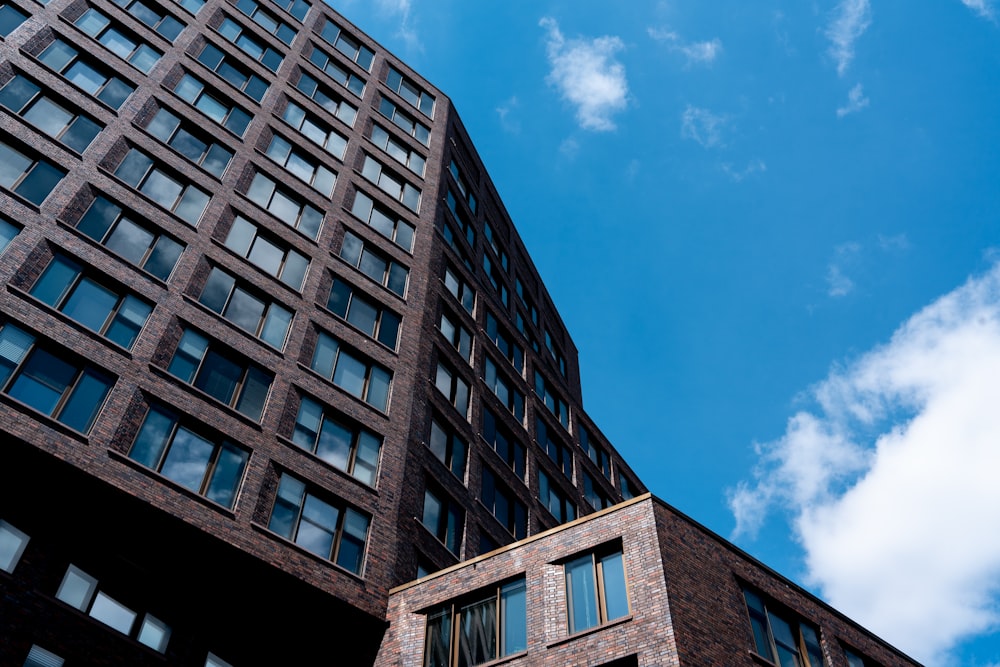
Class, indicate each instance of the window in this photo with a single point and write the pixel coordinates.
(218, 372)
(142, 245)
(326, 99)
(328, 64)
(123, 44)
(595, 589)
(25, 98)
(780, 637)
(391, 184)
(8, 231)
(462, 217)
(12, 544)
(39, 657)
(448, 447)
(209, 467)
(595, 452)
(511, 350)
(284, 206)
(205, 152)
(185, 200)
(552, 401)
(98, 305)
(387, 224)
(326, 434)
(443, 517)
(511, 398)
(237, 76)
(315, 130)
(351, 372)
(162, 22)
(214, 105)
(628, 489)
(250, 311)
(10, 18)
(494, 276)
(484, 627)
(267, 253)
(297, 8)
(329, 529)
(82, 71)
(267, 21)
(80, 591)
(410, 159)
(250, 45)
(28, 177)
(44, 379)
(453, 387)
(351, 304)
(348, 45)
(381, 269)
(504, 505)
(494, 242)
(404, 121)
(525, 298)
(512, 452)
(463, 186)
(459, 289)
(554, 352)
(554, 499)
(410, 92)
(213, 660)
(193, 6)
(854, 659)
(593, 493)
(458, 336)
(301, 165)
(556, 450)
(452, 240)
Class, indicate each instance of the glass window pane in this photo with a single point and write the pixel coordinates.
(12, 544)
(113, 613)
(615, 594)
(188, 459)
(88, 396)
(514, 618)
(77, 588)
(581, 594)
(154, 633)
(42, 381)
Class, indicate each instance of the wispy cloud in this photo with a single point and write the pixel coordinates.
(856, 101)
(703, 126)
(838, 282)
(889, 478)
(588, 76)
(739, 175)
(700, 53)
(406, 31)
(982, 7)
(851, 19)
(506, 113)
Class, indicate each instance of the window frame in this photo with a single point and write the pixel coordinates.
(449, 525)
(606, 566)
(762, 614)
(314, 438)
(376, 377)
(111, 92)
(42, 95)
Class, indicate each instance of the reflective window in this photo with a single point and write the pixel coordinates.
(207, 466)
(410, 92)
(192, 143)
(285, 206)
(315, 130)
(123, 44)
(47, 380)
(236, 75)
(483, 627)
(28, 177)
(504, 342)
(212, 104)
(85, 73)
(297, 8)
(250, 45)
(404, 121)
(301, 165)
(398, 151)
(596, 453)
(96, 303)
(139, 243)
(383, 221)
(503, 442)
(443, 517)
(327, 99)
(594, 494)
(267, 21)
(153, 16)
(351, 372)
(329, 65)
(267, 252)
(556, 405)
(448, 447)
(504, 505)
(595, 589)
(218, 372)
(780, 637)
(245, 307)
(375, 265)
(12, 544)
(352, 305)
(39, 657)
(457, 335)
(391, 184)
(331, 437)
(459, 289)
(8, 231)
(556, 449)
(185, 200)
(453, 387)
(509, 396)
(348, 45)
(331, 530)
(463, 186)
(10, 18)
(25, 98)
(554, 499)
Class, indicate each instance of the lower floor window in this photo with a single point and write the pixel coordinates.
(12, 544)
(781, 637)
(39, 657)
(474, 631)
(331, 531)
(595, 589)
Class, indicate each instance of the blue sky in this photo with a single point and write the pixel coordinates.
(773, 230)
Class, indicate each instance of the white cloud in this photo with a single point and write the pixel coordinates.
(506, 111)
(738, 175)
(703, 126)
(845, 257)
(851, 19)
(890, 478)
(703, 53)
(982, 7)
(588, 76)
(856, 101)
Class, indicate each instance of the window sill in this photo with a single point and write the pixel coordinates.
(147, 199)
(365, 276)
(86, 239)
(341, 392)
(167, 375)
(274, 280)
(284, 225)
(201, 170)
(323, 309)
(50, 421)
(256, 68)
(319, 559)
(328, 466)
(94, 44)
(215, 124)
(229, 324)
(590, 631)
(230, 513)
(126, 75)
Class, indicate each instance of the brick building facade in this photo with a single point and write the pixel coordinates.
(270, 344)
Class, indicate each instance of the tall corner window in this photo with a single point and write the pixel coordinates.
(483, 627)
(596, 588)
(12, 544)
(780, 636)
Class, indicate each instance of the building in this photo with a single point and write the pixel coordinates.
(270, 344)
